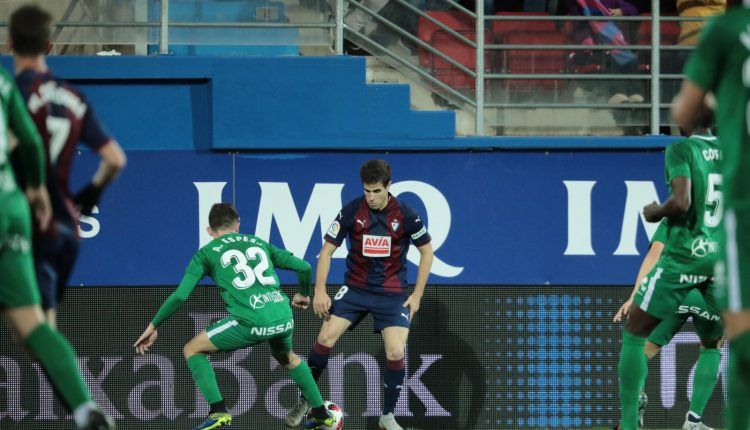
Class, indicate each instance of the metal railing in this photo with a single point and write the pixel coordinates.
(476, 100)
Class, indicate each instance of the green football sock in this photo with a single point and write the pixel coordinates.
(632, 373)
(738, 413)
(204, 377)
(59, 361)
(302, 376)
(706, 375)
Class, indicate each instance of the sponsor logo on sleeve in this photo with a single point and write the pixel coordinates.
(376, 246)
(419, 234)
(333, 230)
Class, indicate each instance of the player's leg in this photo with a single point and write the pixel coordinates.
(317, 361)
(347, 310)
(45, 251)
(733, 281)
(281, 349)
(710, 330)
(392, 320)
(657, 298)
(221, 336)
(65, 260)
(20, 299)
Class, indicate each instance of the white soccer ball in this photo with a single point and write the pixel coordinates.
(335, 411)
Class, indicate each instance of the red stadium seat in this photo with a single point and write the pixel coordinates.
(534, 61)
(669, 32)
(502, 28)
(459, 51)
(455, 20)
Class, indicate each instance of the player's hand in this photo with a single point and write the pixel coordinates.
(146, 340)
(322, 304)
(412, 302)
(41, 207)
(300, 301)
(87, 198)
(623, 311)
(651, 212)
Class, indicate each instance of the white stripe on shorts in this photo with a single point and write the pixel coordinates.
(651, 288)
(227, 325)
(733, 270)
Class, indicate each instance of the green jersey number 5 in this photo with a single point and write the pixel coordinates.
(712, 216)
(247, 275)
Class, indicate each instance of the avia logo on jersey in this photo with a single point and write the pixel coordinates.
(695, 310)
(274, 329)
(376, 246)
(701, 247)
(692, 279)
(258, 301)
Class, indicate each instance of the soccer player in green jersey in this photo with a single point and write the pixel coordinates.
(707, 325)
(693, 211)
(721, 64)
(19, 294)
(243, 267)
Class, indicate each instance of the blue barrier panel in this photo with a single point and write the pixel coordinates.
(279, 103)
(495, 217)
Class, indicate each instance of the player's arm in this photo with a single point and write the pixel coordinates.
(193, 275)
(676, 205)
(112, 162)
(321, 301)
(284, 259)
(32, 156)
(677, 160)
(426, 255)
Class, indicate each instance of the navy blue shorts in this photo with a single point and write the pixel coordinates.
(54, 257)
(354, 303)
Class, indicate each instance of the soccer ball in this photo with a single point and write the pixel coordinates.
(337, 413)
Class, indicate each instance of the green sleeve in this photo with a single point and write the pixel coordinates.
(284, 259)
(193, 274)
(29, 141)
(677, 161)
(704, 64)
(661, 233)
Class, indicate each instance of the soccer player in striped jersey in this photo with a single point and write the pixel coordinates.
(380, 228)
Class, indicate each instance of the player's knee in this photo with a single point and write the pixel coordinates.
(640, 323)
(291, 360)
(711, 343)
(189, 350)
(327, 339)
(651, 350)
(394, 352)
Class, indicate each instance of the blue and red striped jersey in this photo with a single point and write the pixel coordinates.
(378, 243)
(64, 118)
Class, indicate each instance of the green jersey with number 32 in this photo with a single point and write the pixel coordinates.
(243, 268)
(691, 240)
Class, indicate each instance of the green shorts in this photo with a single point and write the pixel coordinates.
(18, 286)
(733, 269)
(665, 288)
(707, 324)
(230, 334)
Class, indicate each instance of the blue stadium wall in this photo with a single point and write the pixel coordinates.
(537, 242)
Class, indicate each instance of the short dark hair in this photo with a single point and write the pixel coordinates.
(222, 215)
(375, 171)
(30, 29)
(705, 117)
